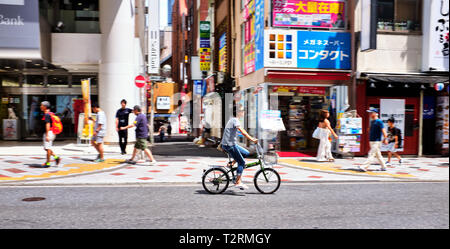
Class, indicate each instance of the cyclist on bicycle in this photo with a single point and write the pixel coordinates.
(230, 146)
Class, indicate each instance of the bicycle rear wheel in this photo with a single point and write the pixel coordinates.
(267, 181)
(215, 180)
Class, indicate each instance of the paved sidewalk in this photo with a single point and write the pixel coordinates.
(179, 162)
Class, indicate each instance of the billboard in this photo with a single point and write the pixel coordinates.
(19, 28)
(309, 13)
(307, 49)
(435, 36)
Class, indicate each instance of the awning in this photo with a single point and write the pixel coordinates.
(411, 79)
(308, 75)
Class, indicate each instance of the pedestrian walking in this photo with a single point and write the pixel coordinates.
(99, 132)
(169, 131)
(376, 131)
(324, 134)
(162, 132)
(230, 146)
(122, 116)
(141, 135)
(395, 141)
(52, 127)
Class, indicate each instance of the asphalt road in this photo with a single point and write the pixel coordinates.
(298, 206)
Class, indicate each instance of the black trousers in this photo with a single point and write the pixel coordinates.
(123, 138)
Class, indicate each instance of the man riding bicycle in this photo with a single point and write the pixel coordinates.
(230, 146)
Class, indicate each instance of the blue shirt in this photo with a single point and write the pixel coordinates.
(230, 132)
(141, 126)
(376, 130)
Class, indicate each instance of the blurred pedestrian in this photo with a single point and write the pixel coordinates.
(99, 132)
(122, 116)
(49, 134)
(162, 132)
(395, 141)
(141, 125)
(376, 131)
(325, 132)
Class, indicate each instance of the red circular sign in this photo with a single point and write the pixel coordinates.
(140, 81)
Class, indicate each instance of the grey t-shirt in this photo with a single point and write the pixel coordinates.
(230, 132)
(101, 119)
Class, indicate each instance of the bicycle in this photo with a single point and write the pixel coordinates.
(266, 180)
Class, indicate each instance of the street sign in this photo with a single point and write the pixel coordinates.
(140, 81)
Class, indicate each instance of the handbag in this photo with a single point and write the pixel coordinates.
(316, 133)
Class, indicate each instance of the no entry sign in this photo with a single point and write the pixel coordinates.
(140, 81)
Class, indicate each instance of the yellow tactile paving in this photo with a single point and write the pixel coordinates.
(75, 168)
(330, 167)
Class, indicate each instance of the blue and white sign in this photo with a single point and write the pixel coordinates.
(327, 50)
(307, 49)
(259, 34)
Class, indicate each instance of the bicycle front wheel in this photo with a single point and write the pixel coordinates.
(215, 180)
(267, 181)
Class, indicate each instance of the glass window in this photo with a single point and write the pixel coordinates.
(10, 80)
(76, 80)
(399, 15)
(80, 16)
(58, 81)
(33, 81)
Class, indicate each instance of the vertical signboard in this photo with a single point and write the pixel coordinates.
(153, 37)
(19, 29)
(259, 34)
(205, 47)
(435, 52)
(223, 53)
(368, 25)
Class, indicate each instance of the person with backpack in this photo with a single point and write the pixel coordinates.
(99, 132)
(394, 141)
(53, 127)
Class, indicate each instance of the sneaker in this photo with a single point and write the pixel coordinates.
(45, 165)
(130, 161)
(241, 186)
(400, 161)
(99, 160)
(387, 163)
(57, 160)
(362, 169)
(153, 162)
(383, 169)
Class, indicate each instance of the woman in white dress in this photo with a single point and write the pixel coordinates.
(325, 131)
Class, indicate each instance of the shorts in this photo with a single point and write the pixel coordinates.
(391, 147)
(97, 139)
(141, 144)
(48, 145)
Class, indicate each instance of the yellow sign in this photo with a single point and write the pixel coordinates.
(88, 128)
(205, 59)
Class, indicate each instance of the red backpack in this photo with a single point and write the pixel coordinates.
(57, 126)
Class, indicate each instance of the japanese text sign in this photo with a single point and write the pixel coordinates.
(309, 13)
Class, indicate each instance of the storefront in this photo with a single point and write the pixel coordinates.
(298, 106)
(419, 105)
(22, 92)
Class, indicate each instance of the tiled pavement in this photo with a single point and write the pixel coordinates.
(82, 170)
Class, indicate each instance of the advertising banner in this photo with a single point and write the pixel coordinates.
(205, 48)
(223, 53)
(307, 49)
(253, 36)
(435, 52)
(153, 38)
(19, 28)
(393, 108)
(309, 13)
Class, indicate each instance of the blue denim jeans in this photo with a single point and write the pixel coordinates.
(237, 153)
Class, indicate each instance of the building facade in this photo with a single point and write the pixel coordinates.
(60, 43)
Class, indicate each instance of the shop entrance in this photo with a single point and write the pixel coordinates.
(300, 108)
(411, 122)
